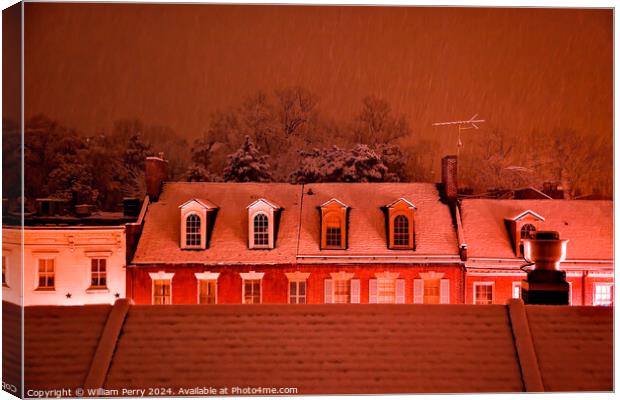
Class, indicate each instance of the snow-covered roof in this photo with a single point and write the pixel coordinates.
(401, 200)
(588, 224)
(261, 200)
(367, 240)
(159, 241)
(318, 349)
(204, 203)
(333, 200)
(523, 214)
(298, 235)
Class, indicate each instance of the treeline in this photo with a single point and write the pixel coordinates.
(283, 136)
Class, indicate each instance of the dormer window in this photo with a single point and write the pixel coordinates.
(522, 227)
(195, 216)
(334, 225)
(261, 230)
(262, 216)
(192, 231)
(400, 224)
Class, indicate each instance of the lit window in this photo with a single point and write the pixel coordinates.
(431, 291)
(401, 231)
(297, 292)
(261, 230)
(483, 293)
(4, 283)
(603, 294)
(207, 291)
(386, 290)
(162, 291)
(516, 290)
(528, 231)
(251, 291)
(192, 231)
(46, 274)
(333, 232)
(342, 291)
(98, 273)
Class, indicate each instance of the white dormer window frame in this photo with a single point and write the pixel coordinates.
(200, 209)
(268, 209)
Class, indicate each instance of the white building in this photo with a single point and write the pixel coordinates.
(64, 265)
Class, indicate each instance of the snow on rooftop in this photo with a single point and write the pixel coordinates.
(587, 224)
(319, 349)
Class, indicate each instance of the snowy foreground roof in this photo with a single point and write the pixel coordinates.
(318, 349)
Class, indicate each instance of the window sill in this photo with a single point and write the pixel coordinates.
(193, 248)
(45, 290)
(97, 290)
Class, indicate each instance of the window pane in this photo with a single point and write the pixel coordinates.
(293, 288)
(302, 288)
(401, 231)
(483, 294)
(431, 291)
(192, 230)
(261, 230)
(342, 291)
(386, 291)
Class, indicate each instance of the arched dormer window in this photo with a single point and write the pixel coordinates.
(263, 216)
(261, 230)
(334, 225)
(195, 216)
(401, 231)
(192, 231)
(400, 224)
(528, 231)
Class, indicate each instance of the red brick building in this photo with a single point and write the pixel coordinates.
(276, 243)
(492, 231)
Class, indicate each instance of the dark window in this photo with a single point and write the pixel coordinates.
(261, 230)
(46, 274)
(528, 231)
(192, 230)
(401, 231)
(98, 272)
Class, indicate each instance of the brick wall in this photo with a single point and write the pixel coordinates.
(275, 282)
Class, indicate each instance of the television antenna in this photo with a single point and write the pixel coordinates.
(462, 126)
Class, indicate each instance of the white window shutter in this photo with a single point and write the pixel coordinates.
(400, 291)
(372, 291)
(444, 291)
(418, 291)
(355, 291)
(328, 291)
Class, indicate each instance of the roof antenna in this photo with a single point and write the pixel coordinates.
(462, 125)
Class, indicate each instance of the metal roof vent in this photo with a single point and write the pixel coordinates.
(546, 283)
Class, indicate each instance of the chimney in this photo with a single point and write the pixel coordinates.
(546, 283)
(156, 173)
(448, 177)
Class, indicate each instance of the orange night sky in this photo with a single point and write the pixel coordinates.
(521, 69)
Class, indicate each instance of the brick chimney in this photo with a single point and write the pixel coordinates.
(546, 283)
(156, 174)
(448, 177)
